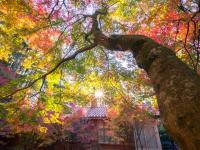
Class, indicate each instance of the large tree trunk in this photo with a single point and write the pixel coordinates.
(177, 86)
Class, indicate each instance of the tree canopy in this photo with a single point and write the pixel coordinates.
(50, 45)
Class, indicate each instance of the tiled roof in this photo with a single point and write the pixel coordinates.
(96, 112)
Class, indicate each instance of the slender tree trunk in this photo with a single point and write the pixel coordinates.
(177, 86)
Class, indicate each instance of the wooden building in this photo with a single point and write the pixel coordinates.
(145, 134)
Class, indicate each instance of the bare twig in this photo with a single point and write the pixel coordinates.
(61, 34)
(41, 87)
(185, 45)
(52, 10)
(107, 59)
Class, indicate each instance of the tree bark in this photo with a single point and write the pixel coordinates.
(177, 86)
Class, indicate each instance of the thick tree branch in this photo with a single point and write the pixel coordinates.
(115, 42)
(175, 84)
(73, 56)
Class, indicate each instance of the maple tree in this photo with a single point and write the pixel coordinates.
(48, 43)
